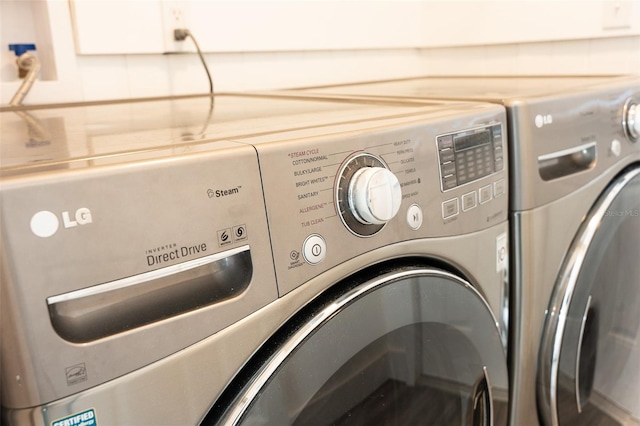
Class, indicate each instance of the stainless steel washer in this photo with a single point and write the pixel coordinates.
(575, 202)
(252, 259)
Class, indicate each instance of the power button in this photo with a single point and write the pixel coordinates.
(314, 249)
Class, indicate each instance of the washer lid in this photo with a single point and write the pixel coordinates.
(497, 89)
(372, 351)
(590, 358)
(97, 133)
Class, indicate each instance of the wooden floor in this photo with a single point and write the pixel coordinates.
(395, 403)
(590, 416)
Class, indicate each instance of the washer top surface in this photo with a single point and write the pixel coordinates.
(498, 89)
(561, 129)
(47, 135)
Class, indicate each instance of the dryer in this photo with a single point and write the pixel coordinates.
(575, 206)
(245, 259)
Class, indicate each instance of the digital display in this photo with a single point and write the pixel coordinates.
(467, 156)
(473, 140)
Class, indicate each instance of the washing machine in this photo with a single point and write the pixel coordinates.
(575, 211)
(253, 260)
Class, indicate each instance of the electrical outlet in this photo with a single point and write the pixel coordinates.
(616, 14)
(175, 15)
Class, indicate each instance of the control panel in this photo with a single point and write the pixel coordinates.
(332, 198)
(469, 155)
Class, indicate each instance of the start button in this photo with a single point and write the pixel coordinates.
(314, 249)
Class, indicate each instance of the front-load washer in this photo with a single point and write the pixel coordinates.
(575, 201)
(252, 260)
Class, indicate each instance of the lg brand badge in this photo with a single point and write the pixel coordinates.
(45, 223)
(543, 120)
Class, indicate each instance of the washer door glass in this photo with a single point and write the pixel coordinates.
(590, 360)
(408, 345)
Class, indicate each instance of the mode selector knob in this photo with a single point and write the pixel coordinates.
(374, 195)
(631, 120)
(368, 194)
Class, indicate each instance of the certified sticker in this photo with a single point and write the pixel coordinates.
(83, 418)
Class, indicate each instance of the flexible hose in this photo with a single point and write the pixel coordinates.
(30, 63)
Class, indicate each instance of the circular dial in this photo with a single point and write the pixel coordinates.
(631, 120)
(374, 195)
(368, 194)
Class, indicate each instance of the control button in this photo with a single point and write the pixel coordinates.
(448, 169)
(631, 120)
(616, 148)
(449, 182)
(374, 195)
(502, 253)
(450, 208)
(499, 164)
(314, 249)
(485, 194)
(445, 142)
(469, 201)
(414, 217)
(446, 155)
(498, 188)
(358, 196)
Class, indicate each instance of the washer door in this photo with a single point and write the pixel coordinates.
(398, 346)
(590, 355)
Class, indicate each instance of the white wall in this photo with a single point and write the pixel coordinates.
(564, 37)
(146, 27)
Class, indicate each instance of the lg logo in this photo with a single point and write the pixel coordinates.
(543, 120)
(45, 223)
